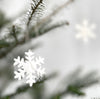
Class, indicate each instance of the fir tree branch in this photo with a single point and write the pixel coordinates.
(46, 27)
(33, 9)
(12, 45)
(53, 26)
(45, 19)
(24, 88)
(76, 83)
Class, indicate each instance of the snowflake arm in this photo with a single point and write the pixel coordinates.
(18, 62)
(39, 61)
(19, 74)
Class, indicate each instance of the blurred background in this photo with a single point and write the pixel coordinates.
(63, 53)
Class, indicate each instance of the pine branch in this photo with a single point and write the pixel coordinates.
(14, 44)
(46, 27)
(53, 26)
(24, 88)
(45, 19)
(33, 10)
(77, 83)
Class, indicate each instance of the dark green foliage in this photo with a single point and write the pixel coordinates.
(56, 97)
(3, 44)
(75, 90)
(37, 92)
(3, 20)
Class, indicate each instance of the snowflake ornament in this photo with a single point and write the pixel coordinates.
(29, 69)
(85, 31)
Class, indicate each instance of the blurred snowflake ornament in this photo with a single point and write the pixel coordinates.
(85, 31)
(29, 69)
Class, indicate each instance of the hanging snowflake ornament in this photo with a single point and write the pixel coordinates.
(85, 31)
(29, 69)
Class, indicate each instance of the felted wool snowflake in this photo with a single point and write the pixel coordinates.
(85, 31)
(29, 69)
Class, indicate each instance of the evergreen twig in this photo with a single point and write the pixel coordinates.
(77, 83)
(53, 26)
(24, 88)
(45, 19)
(33, 9)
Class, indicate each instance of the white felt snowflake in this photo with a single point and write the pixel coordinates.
(85, 31)
(29, 69)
